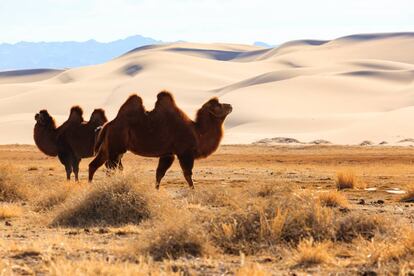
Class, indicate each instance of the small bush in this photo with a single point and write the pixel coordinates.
(118, 201)
(174, 237)
(333, 199)
(346, 180)
(11, 188)
(361, 225)
(310, 253)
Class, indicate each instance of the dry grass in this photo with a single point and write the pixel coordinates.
(251, 269)
(409, 196)
(270, 223)
(54, 196)
(100, 267)
(333, 199)
(174, 236)
(395, 249)
(10, 211)
(310, 253)
(366, 226)
(11, 185)
(118, 201)
(346, 180)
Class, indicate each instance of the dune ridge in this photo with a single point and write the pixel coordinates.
(345, 91)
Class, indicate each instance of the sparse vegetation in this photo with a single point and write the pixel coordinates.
(279, 214)
(333, 199)
(346, 180)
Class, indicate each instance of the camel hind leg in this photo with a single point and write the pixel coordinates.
(164, 163)
(187, 164)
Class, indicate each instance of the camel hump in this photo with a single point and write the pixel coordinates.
(165, 100)
(132, 105)
(76, 114)
(98, 116)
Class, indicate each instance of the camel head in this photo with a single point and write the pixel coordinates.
(217, 109)
(98, 116)
(44, 119)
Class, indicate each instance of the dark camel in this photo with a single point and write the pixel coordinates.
(164, 132)
(72, 141)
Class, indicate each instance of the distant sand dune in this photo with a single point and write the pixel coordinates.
(346, 90)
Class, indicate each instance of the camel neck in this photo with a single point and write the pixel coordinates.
(210, 131)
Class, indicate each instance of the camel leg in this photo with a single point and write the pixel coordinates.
(75, 166)
(98, 161)
(187, 163)
(65, 159)
(164, 163)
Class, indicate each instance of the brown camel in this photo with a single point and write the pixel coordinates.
(72, 141)
(164, 132)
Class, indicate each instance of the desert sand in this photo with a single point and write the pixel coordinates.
(345, 90)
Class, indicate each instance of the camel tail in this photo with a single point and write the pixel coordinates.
(100, 133)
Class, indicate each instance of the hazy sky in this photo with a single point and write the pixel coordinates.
(241, 21)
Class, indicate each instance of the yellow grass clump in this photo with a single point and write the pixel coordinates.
(117, 201)
(251, 269)
(309, 253)
(11, 187)
(333, 199)
(346, 180)
(9, 211)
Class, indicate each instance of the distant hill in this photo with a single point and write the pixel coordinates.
(263, 44)
(68, 54)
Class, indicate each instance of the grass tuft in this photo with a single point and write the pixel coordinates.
(346, 180)
(310, 253)
(118, 201)
(333, 199)
(173, 237)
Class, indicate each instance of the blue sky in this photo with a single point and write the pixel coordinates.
(240, 21)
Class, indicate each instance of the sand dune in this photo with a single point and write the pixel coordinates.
(345, 91)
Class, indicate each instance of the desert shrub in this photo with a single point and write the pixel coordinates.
(11, 187)
(346, 180)
(173, 237)
(310, 253)
(361, 225)
(117, 201)
(333, 199)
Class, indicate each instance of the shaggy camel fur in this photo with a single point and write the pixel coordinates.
(72, 141)
(164, 132)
